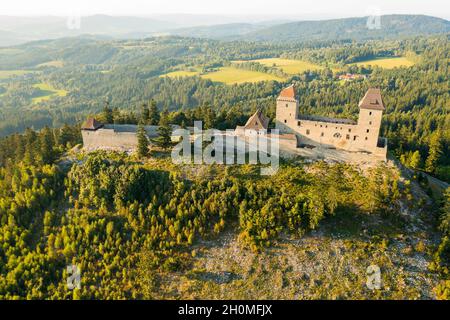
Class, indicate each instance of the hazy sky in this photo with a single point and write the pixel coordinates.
(312, 8)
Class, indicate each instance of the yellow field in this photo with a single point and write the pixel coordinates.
(47, 92)
(4, 74)
(287, 65)
(387, 63)
(54, 63)
(230, 75)
(180, 73)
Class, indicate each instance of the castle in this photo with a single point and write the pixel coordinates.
(296, 131)
(326, 133)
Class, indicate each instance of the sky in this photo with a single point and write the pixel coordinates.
(301, 8)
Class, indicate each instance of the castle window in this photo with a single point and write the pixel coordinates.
(285, 121)
(349, 130)
(370, 122)
(321, 134)
(365, 138)
(287, 105)
(354, 138)
(307, 131)
(337, 135)
(321, 126)
(347, 136)
(370, 113)
(298, 123)
(326, 126)
(367, 130)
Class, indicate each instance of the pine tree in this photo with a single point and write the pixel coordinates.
(108, 113)
(46, 142)
(145, 114)
(142, 148)
(434, 154)
(164, 139)
(416, 160)
(153, 113)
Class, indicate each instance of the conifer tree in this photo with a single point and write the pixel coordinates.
(142, 148)
(434, 154)
(153, 113)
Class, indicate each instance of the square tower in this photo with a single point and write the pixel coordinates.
(371, 109)
(287, 110)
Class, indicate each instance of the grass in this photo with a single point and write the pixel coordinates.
(47, 92)
(230, 75)
(387, 63)
(5, 74)
(54, 63)
(289, 66)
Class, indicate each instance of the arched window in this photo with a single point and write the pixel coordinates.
(337, 135)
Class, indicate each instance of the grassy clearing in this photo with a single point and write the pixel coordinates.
(5, 74)
(47, 92)
(387, 63)
(54, 63)
(230, 75)
(289, 66)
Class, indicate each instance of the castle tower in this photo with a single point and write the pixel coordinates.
(287, 110)
(371, 109)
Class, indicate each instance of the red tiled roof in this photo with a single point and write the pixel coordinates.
(91, 124)
(288, 92)
(372, 100)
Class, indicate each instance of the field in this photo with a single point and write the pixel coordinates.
(47, 92)
(387, 63)
(231, 75)
(287, 65)
(54, 63)
(4, 74)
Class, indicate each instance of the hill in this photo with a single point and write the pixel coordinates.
(392, 26)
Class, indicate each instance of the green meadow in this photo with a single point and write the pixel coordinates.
(47, 92)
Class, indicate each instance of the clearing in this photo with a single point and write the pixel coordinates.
(386, 63)
(230, 75)
(47, 92)
(287, 65)
(5, 74)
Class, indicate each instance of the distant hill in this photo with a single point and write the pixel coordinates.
(221, 31)
(16, 30)
(392, 26)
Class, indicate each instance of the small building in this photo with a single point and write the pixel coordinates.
(258, 123)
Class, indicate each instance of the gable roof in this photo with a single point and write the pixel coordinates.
(257, 121)
(372, 100)
(288, 92)
(91, 124)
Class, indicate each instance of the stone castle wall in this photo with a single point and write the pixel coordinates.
(361, 136)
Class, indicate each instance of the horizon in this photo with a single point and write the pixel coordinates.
(265, 9)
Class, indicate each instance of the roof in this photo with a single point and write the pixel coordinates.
(372, 100)
(91, 124)
(288, 92)
(257, 121)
